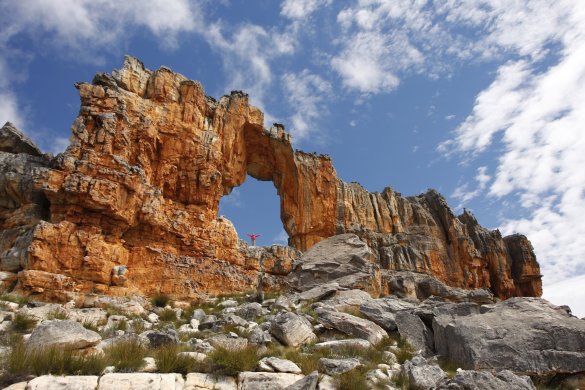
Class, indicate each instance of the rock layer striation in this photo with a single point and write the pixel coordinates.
(132, 204)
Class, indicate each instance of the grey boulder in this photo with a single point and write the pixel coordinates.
(382, 311)
(292, 330)
(524, 335)
(422, 375)
(411, 328)
(351, 325)
(307, 383)
(338, 366)
(485, 380)
(63, 334)
(344, 259)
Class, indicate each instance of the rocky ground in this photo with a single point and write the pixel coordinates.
(326, 334)
(326, 337)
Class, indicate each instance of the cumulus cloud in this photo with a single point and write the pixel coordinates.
(535, 110)
(307, 93)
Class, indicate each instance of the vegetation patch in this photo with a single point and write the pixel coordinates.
(232, 361)
(126, 355)
(23, 323)
(168, 360)
(160, 300)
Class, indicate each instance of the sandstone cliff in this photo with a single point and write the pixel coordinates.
(132, 204)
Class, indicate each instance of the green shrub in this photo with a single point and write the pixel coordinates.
(353, 380)
(167, 315)
(127, 355)
(15, 298)
(22, 361)
(23, 323)
(168, 360)
(121, 325)
(160, 300)
(406, 351)
(401, 381)
(57, 314)
(232, 361)
(137, 326)
(90, 325)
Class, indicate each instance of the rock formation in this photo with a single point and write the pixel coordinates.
(132, 204)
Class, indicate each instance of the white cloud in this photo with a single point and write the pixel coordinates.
(82, 25)
(300, 9)
(464, 194)
(247, 53)
(9, 111)
(82, 30)
(535, 109)
(568, 292)
(306, 92)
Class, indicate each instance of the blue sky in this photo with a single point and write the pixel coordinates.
(482, 100)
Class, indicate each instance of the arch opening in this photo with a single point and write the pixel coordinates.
(254, 208)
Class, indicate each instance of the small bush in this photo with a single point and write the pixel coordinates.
(231, 362)
(57, 314)
(127, 355)
(450, 368)
(160, 300)
(137, 326)
(121, 325)
(90, 325)
(406, 351)
(167, 315)
(23, 323)
(12, 297)
(401, 381)
(353, 380)
(168, 360)
(22, 361)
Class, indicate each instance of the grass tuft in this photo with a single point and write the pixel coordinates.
(167, 315)
(160, 300)
(23, 323)
(168, 360)
(22, 362)
(231, 361)
(127, 355)
(57, 314)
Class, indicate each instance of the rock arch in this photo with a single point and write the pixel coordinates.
(151, 156)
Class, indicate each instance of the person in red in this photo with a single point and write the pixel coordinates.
(253, 237)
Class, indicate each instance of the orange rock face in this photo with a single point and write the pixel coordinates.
(132, 204)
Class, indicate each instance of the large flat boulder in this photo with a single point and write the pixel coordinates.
(351, 325)
(292, 330)
(266, 380)
(485, 380)
(141, 381)
(383, 311)
(200, 381)
(50, 382)
(63, 334)
(524, 335)
(344, 259)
